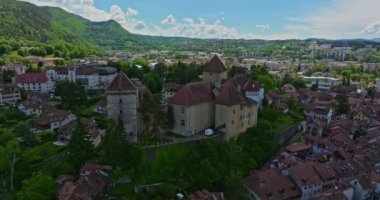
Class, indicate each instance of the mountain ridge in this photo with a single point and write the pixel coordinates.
(26, 21)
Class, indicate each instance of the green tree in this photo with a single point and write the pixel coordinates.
(5, 48)
(28, 138)
(80, 148)
(152, 110)
(161, 69)
(9, 156)
(71, 94)
(153, 81)
(371, 92)
(7, 76)
(170, 117)
(342, 107)
(38, 187)
(117, 149)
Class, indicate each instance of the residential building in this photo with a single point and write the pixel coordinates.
(324, 83)
(18, 69)
(91, 77)
(321, 110)
(30, 108)
(288, 88)
(252, 89)
(89, 168)
(36, 107)
(371, 67)
(214, 72)
(206, 195)
(307, 179)
(54, 121)
(90, 187)
(270, 184)
(101, 107)
(193, 108)
(123, 101)
(35, 81)
(9, 94)
(169, 90)
(234, 112)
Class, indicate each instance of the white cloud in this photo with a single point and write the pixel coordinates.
(189, 20)
(86, 9)
(263, 27)
(200, 29)
(131, 12)
(343, 18)
(168, 20)
(372, 28)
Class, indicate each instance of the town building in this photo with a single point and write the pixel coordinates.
(18, 69)
(123, 101)
(321, 110)
(252, 89)
(54, 121)
(324, 83)
(169, 90)
(271, 184)
(9, 94)
(35, 81)
(288, 88)
(88, 187)
(91, 77)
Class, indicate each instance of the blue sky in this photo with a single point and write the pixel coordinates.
(263, 19)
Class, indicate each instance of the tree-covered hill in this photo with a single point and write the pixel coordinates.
(25, 21)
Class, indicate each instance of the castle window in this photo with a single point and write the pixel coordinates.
(233, 111)
(120, 100)
(121, 111)
(232, 121)
(182, 110)
(242, 124)
(182, 122)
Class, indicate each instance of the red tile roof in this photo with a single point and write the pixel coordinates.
(8, 88)
(121, 83)
(270, 184)
(252, 86)
(191, 94)
(306, 174)
(32, 78)
(31, 104)
(89, 167)
(90, 187)
(297, 147)
(229, 95)
(215, 65)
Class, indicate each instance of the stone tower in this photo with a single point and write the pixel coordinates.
(214, 72)
(122, 104)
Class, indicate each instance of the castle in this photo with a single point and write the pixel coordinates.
(224, 105)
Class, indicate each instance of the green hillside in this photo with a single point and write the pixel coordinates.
(25, 21)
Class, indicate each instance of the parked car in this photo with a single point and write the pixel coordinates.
(209, 132)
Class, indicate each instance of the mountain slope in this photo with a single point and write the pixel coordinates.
(22, 20)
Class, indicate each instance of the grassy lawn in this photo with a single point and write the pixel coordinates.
(278, 120)
(122, 190)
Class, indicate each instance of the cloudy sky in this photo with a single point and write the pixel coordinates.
(249, 19)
